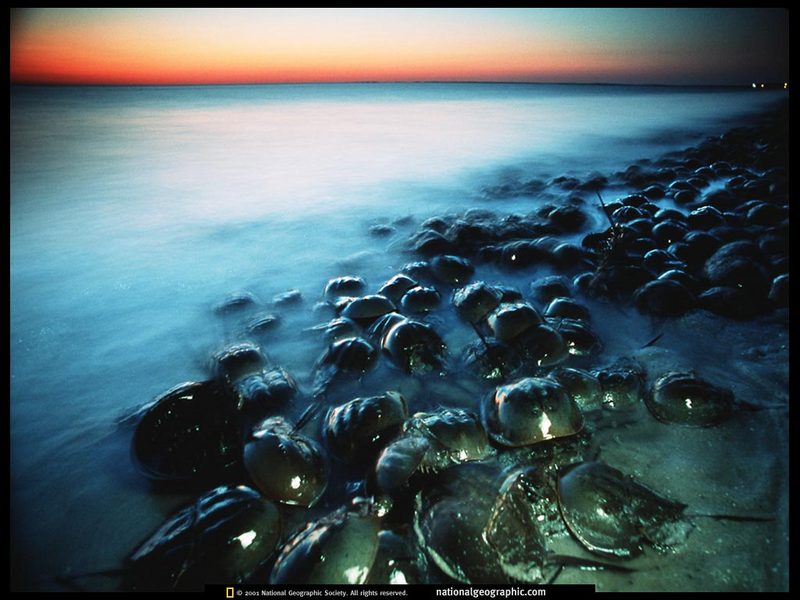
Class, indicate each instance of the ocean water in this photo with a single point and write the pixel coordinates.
(135, 210)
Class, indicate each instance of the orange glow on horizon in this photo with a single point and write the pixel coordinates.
(89, 64)
(123, 56)
(204, 46)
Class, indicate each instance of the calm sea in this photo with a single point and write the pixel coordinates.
(134, 210)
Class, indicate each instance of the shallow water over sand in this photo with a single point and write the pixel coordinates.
(135, 210)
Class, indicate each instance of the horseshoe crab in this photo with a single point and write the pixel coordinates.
(431, 442)
(530, 411)
(509, 320)
(419, 269)
(382, 325)
(288, 298)
(397, 286)
(287, 467)
(262, 324)
(688, 400)
(414, 346)
(237, 361)
(264, 392)
(612, 514)
(337, 329)
(492, 359)
(421, 299)
(622, 383)
(399, 461)
(475, 535)
(366, 309)
(343, 286)
(478, 527)
(348, 356)
(356, 430)
(541, 345)
(339, 548)
(531, 489)
(582, 386)
(259, 390)
(236, 302)
(578, 337)
(455, 435)
(567, 308)
(473, 302)
(224, 536)
(452, 269)
(190, 432)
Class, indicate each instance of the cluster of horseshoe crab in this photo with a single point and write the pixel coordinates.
(325, 486)
(475, 496)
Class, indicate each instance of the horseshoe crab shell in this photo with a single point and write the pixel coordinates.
(452, 269)
(530, 490)
(343, 286)
(541, 345)
(350, 355)
(473, 302)
(397, 286)
(452, 533)
(353, 356)
(267, 391)
(189, 432)
(432, 442)
(337, 329)
(368, 308)
(612, 514)
(421, 299)
(579, 338)
(622, 383)
(236, 302)
(414, 346)
(286, 466)
(263, 323)
(382, 325)
(688, 400)
(477, 534)
(530, 411)
(456, 434)
(339, 548)
(238, 361)
(567, 308)
(224, 536)
(491, 359)
(584, 388)
(399, 461)
(509, 320)
(357, 429)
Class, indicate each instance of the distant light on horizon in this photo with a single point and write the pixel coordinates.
(692, 46)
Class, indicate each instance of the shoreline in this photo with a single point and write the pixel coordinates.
(682, 322)
(480, 231)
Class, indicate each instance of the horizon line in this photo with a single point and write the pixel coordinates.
(377, 81)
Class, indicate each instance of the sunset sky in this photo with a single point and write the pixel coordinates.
(184, 46)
